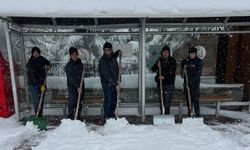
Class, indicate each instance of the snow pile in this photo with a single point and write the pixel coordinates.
(115, 126)
(118, 128)
(67, 134)
(120, 135)
(121, 8)
(65, 129)
(12, 133)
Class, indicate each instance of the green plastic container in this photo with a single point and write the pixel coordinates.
(41, 122)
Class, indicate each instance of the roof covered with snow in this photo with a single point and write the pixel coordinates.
(124, 8)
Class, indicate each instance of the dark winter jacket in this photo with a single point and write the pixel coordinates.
(36, 70)
(194, 68)
(168, 69)
(74, 71)
(108, 69)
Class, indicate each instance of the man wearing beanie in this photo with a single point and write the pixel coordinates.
(74, 69)
(192, 66)
(168, 69)
(108, 69)
(37, 67)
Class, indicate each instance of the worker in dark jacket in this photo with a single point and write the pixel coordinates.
(192, 66)
(168, 69)
(37, 68)
(74, 69)
(108, 69)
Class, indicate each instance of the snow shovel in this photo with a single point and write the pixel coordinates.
(190, 108)
(40, 102)
(163, 119)
(42, 94)
(117, 111)
(79, 96)
(41, 122)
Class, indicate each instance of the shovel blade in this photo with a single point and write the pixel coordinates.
(163, 120)
(41, 122)
(193, 120)
(117, 112)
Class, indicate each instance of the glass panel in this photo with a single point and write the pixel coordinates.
(3, 46)
(19, 68)
(55, 49)
(179, 44)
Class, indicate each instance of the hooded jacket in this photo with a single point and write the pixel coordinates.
(74, 71)
(108, 69)
(36, 70)
(168, 69)
(194, 69)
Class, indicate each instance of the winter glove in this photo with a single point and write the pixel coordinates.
(79, 90)
(119, 52)
(47, 68)
(190, 83)
(42, 88)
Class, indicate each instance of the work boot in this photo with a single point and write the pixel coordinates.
(79, 117)
(71, 116)
(197, 115)
(102, 122)
(40, 115)
(167, 112)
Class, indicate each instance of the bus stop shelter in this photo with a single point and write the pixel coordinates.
(141, 18)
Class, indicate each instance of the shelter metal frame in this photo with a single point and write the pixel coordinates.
(98, 25)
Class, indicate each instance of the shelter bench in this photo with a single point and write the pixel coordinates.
(180, 100)
(204, 99)
(88, 101)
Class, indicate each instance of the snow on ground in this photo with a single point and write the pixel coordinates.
(120, 135)
(12, 133)
(236, 132)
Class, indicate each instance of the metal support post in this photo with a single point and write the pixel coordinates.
(217, 111)
(12, 73)
(142, 69)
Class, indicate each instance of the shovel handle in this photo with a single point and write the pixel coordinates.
(40, 104)
(188, 92)
(79, 95)
(118, 87)
(161, 92)
(41, 96)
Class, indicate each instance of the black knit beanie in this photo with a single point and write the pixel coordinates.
(107, 45)
(192, 49)
(35, 49)
(72, 50)
(165, 48)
